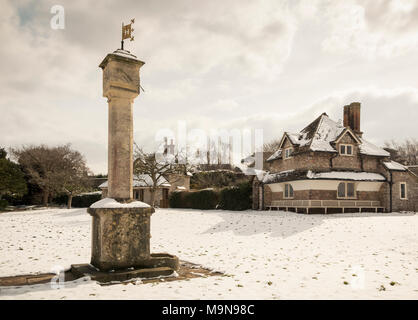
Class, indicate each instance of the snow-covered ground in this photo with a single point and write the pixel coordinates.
(266, 255)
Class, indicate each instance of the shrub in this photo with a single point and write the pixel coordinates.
(175, 199)
(80, 201)
(236, 198)
(85, 200)
(204, 199)
(3, 204)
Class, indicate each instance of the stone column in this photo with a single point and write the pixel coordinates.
(121, 228)
(120, 87)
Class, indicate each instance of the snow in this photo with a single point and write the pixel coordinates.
(271, 177)
(328, 130)
(393, 165)
(275, 155)
(254, 172)
(346, 175)
(125, 54)
(370, 149)
(294, 137)
(266, 255)
(112, 203)
(248, 161)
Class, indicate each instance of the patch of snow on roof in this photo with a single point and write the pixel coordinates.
(393, 165)
(143, 180)
(112, 203)
(346, 175)
(294, 137)
(328, 130)
(254, 172)
(270, 177)
(370, 149)
(275, 155)
(248, 161)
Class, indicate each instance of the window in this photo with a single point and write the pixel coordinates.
(346, 149)
(403, 193)
(288, 191)
(288, 153)
(346, 190)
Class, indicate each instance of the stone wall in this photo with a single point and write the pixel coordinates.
(348, 162)
(179, 180)
(411, 204)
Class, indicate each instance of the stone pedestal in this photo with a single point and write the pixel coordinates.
(121, 237)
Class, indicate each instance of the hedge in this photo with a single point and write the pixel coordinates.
(80, 201)
(236, 198)
(204, 199)
(3, 204)
(231, 198)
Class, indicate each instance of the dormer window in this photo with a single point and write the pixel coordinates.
(288, 153)
(346, 149)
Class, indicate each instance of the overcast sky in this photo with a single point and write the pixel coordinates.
(275, 65)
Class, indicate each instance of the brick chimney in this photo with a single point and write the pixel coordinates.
(352, 117)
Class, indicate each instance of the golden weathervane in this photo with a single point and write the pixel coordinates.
(127, 32)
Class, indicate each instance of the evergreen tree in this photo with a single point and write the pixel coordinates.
(12, 179)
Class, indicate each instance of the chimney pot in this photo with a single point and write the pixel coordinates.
(352, 117)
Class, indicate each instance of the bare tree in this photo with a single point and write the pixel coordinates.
(272, 146)
(152, 169)
(405, 152)
(54, 169)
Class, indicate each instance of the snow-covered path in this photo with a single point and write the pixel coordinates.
(266, 255)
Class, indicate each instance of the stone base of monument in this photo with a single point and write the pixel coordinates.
(186, 271)
(159, 264)
(121, 244)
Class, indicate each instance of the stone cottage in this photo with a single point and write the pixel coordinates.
(329, 167)
(166, 185)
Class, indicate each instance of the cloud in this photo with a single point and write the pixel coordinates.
(214, 64)
(373, 28)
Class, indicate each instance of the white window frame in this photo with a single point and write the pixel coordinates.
(286, 154)
(284, 191)
(345, 148)
(400, 191)
(346, 189)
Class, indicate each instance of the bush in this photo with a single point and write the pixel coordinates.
(85, 200)
(3, 204)
(236, 198)
(175, 199)
(80, 201)
(204, 199)
(232, 198)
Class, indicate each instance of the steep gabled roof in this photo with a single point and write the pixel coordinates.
(321, 134)
(370, 149)
(395, 166)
